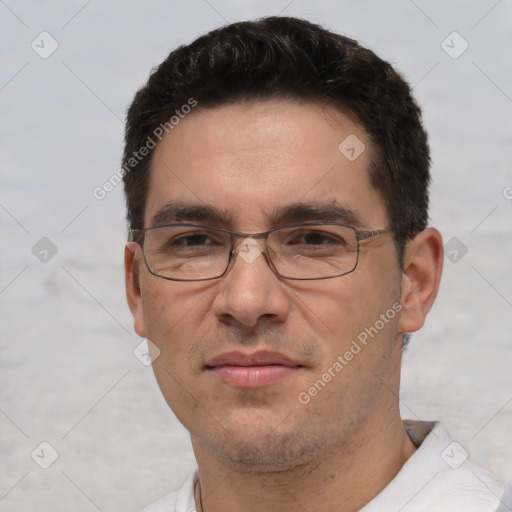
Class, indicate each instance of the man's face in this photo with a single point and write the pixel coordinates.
(260, 165)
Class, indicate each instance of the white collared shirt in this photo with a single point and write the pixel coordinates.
(437, 478)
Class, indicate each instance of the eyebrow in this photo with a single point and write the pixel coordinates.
(189, 212)
(294, 213)
(313, 211)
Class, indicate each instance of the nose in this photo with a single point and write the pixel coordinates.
(250, 291)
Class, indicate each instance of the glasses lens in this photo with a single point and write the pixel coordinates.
(191, 253)
(313, 252)
(186, 252)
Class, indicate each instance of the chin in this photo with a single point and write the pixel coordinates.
(263, 450)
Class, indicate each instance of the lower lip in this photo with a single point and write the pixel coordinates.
(253, 376)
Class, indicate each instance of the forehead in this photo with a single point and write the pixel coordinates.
(249, 159)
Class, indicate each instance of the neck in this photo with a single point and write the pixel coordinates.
(343, 478)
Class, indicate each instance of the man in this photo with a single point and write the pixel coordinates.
(276, 177)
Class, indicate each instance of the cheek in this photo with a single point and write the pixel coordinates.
(164, 318)
(357, 353)
(169, 307)
(338, 308)
(172, 324)
(363, 305)
(176, 316)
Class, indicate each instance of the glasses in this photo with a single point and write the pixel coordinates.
(307, 251)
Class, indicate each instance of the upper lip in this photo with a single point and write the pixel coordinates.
(261, 358)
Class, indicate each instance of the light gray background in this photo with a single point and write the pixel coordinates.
(67, 372)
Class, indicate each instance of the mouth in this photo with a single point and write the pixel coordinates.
(257, 370)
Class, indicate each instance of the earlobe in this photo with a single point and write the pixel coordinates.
(133, 293)
(423, 265)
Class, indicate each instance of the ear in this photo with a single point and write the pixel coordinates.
(423, 265)
(132, 261)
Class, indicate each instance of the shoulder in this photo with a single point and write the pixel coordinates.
(506, 500)
(165, 504)
(439, 477)
(181, 500)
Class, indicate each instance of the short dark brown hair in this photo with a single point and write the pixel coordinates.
(289, 58)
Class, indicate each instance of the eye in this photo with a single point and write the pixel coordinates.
(314, 238)
(185, 242)
(191, 240)
(196, 242)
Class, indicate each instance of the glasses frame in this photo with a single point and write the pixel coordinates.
(138, 236)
